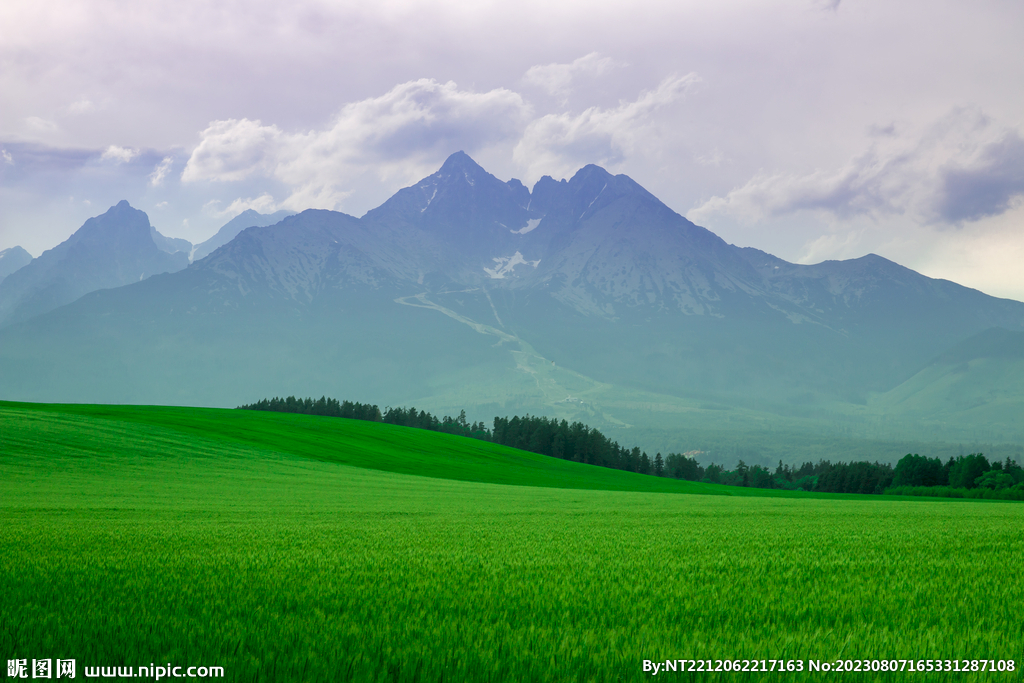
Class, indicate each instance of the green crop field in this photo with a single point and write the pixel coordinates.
(295, 548)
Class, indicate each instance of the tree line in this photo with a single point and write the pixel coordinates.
(824, 476)
(913, 474)
(328, 407)
(967, 476)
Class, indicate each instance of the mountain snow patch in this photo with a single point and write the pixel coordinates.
(530, 225)
(430, 200)
(594, 199)
(506, 264)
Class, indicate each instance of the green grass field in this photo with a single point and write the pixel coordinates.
(286, 547)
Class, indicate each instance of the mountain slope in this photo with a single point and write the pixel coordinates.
(13, 259)
(665, 305)
(581, 298)
(110, 250)
(872, 290)
(247, 219)
(451, 224)
(977, 385)
(298, 306)
(170, 245)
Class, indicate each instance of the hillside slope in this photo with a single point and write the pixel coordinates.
(978, 385)
(130, 432)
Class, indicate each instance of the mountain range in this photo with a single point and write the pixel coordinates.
(111, 250)
(585, 298)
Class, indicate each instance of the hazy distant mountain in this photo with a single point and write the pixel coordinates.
(13, 259)
(977, 387)
(110, 250)
(170, 245)
(304, 305)
(584, 297)
(229, 230)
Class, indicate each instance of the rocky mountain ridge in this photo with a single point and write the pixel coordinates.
(465, 288)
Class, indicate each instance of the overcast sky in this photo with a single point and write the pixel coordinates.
(811, 129)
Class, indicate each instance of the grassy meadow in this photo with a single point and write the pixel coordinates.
(287, 547)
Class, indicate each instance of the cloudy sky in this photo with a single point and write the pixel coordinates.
(812, 129)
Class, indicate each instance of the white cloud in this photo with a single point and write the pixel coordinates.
(234, 149)
(846, 244)
(161, 205)
(40, 125)
(264, 204)
(961, 168)
(558, 78)
(558, 144)
(156, 178)
(400, 135)
(713, 158)
(8, 159)
(81, 106)
(119, 155)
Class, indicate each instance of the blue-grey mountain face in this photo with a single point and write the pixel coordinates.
(13, 259)
(247, 219)
(464, 285)
(606, 245)
(598, 273)
(169, 245)
(458, 219)
(309, 302)
(111, 250)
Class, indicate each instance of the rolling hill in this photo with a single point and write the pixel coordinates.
(33, 430)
